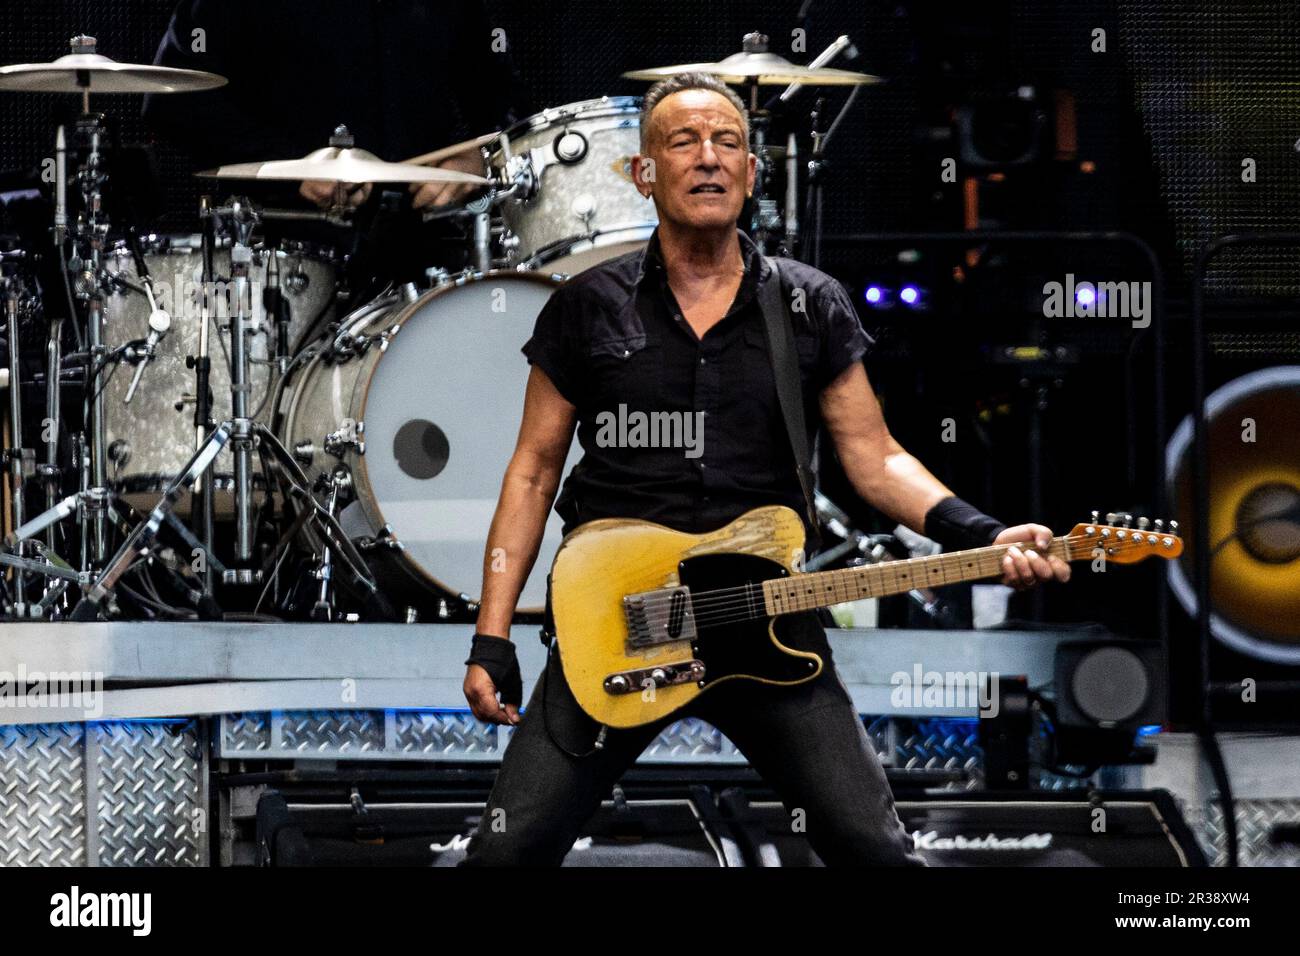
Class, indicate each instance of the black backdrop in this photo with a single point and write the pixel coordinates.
(568, 50)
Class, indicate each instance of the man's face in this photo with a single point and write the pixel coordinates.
(702, 168)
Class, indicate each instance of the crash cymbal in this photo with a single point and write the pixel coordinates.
(765, 69)
(438, 155)
(756, 65)
(84, 70)
(341, 162)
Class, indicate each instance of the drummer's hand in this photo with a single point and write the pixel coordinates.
(444, 194)
(326, 194)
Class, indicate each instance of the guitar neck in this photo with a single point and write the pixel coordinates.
(804, 592)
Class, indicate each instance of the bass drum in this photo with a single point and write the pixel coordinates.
(420, 403)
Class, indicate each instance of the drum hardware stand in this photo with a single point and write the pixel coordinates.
(50, 472)
(299, 488)
(323, 609)
(816, 170)
(481, 209)
(203, 496)
(241, 217)
(86, 504)
(18, 458)
(159, 320)
(87, 279)
(874, 549)
(841, 44)
(242, 436)
(766, 217)
(143, 537)
(49, 569)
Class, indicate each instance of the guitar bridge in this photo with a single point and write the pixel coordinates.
(659, 617)
(663, 675)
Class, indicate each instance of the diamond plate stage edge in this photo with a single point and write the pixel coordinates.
(114, 793)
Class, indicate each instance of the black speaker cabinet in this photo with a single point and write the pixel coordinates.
(1100, 828)
(655, 832)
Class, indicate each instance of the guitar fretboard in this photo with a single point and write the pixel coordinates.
(804, 592)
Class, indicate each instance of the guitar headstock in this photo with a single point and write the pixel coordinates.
(1121, 542)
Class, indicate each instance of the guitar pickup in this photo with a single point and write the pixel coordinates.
(659, 617)
(663, 675)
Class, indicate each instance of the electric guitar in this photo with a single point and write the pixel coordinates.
(647, 618)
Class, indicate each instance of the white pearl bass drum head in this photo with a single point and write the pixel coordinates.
(442, 408)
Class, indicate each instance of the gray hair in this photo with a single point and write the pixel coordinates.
(689, 81)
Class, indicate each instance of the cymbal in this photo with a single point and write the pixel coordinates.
(763, 68)
(84, 70)
(341, 162)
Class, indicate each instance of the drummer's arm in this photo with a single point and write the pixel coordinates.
(214, 126)
(527, 492)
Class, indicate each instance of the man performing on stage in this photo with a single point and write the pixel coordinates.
(699, 349)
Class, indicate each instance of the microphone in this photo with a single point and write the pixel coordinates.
(159, 320)
(842, 44)
(274, 303)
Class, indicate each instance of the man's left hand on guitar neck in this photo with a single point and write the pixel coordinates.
(1022, 568)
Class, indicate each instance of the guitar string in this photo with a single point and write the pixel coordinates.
(705, 598)
(720, 605)
(986, 551)
(725, 600)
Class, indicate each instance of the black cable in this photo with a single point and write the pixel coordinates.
(1227, 804)
(281, 381)
(597, 745)
(116, 362)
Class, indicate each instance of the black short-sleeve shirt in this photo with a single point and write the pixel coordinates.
(680, 430)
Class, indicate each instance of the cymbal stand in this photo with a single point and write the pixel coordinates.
(17, 457)
(88, 236)
(241, 218)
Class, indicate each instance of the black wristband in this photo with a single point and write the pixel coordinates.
(958, 525)
(496, 655)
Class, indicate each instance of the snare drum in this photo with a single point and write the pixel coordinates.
(420, 402)
(577, 204)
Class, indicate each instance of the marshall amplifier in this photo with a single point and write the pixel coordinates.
(1087, 828)
(672, 831)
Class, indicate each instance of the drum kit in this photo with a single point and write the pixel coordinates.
(245, 436)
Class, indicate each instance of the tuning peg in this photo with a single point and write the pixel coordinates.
(1110, 517)
(1159, 525)
(1128, 520)
(1143, 523)
(1096, 517)
(1173, 527)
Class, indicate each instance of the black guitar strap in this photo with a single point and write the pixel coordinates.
(789, 390)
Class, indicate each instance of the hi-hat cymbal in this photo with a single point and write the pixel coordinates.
(763, 68)
(341, 162)
(84, 70)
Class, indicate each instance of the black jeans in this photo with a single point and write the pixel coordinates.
(806, 741)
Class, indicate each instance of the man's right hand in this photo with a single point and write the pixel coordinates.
(329, 194)
(481, 693)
